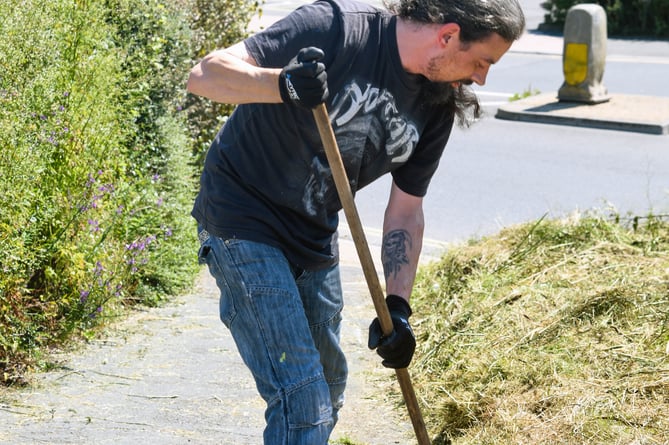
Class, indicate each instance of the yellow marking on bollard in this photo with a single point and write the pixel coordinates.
(575, 64)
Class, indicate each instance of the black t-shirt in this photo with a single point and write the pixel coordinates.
(266, 176)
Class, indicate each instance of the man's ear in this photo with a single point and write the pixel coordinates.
(447, 31)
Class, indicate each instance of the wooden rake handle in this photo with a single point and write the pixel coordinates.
(358, 234)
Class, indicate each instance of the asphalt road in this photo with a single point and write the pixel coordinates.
(499, 173)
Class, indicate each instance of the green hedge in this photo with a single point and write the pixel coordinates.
(97, 163)
(211, 30)
(639, 18)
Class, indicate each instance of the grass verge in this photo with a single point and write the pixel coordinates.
(555, 332)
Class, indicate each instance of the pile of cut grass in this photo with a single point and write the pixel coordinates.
(555, 332)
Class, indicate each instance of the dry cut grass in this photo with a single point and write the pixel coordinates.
(555, 332)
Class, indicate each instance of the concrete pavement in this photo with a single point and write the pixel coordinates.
(624, 112)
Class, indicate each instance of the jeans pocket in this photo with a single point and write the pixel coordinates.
(203, 253)
(212, 253)
(226, 304)
(205, 247)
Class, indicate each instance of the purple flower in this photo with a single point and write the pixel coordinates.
(95, 225)
(83, 296)
(106, 188)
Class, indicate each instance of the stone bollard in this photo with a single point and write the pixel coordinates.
(584, 55)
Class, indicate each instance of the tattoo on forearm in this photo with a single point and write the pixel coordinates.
(394, 254)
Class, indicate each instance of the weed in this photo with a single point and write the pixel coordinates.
(525, 94)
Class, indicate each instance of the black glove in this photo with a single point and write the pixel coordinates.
(304, 80)
(396, 349)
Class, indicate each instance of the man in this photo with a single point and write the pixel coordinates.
(393, 82)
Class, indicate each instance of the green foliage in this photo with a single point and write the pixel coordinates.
(156, 57)
(216, 24)
(648, 18)
(554, 332)
(97, 173)
(60, 121)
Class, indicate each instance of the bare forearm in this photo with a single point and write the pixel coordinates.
(230, 76)
(402, 243)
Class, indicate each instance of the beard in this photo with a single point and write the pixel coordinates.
(457, 97)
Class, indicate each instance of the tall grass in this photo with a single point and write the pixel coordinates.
(555, 332)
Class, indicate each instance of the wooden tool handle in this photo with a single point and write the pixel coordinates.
(358, 234)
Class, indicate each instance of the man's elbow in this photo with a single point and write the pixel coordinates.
(194, 80)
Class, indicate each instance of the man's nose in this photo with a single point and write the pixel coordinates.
(480, 76)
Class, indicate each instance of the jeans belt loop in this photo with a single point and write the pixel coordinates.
(203, 236)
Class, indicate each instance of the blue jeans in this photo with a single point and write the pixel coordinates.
(285, 323)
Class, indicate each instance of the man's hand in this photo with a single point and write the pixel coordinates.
(396, 349)
(304, 80)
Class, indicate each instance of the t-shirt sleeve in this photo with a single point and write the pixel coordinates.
(313, 24)
(414, 177)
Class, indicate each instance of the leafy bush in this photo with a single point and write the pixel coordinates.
(624, 17)
(157, 47)
(97, 173)
(215, 24)
(60, 122)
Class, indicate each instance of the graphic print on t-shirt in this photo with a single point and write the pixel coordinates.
(372, 136)
(356, 102)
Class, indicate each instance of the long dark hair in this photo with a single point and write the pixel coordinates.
(478, 19)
